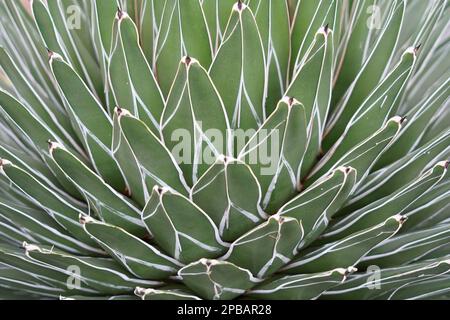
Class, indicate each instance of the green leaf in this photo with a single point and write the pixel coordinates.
(111, 206)
(376, 109)
(408, 248)
(57, 206)
(299, 287)
(106, 12)
(239, 70)
(272, 18)
(398, 203)
(156, 163)
(268, 247)
(102, 274)
(363, 156)
(90, 120)
(308, 18)
(284, 136)
(316, 206)
(181, 228)
(230, 194)
(368, 75)
(378, 282)
(42, 227)
(346, 251)
(217, 280)
(418, 120)
(311, 86)
(132, 81)
(217, 13)
(183, 32)
(386, 181)
(134, 178)
(54, 119)
(194, 124)
(136, 256)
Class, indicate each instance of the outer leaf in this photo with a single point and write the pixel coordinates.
(376, 109)
(89, 119)
(218, 280)
(181, 228)
(364, 155)
(110, 205)
(345, 251)
(408, 248)
(230, 194)
(183, 32)
(132, 80)
(239, 71)
(268, 247)
(101, 274)
(272, 18)
(59, 208)
(397, 203)
(194, 118)
(389, 280)
(165, 294)
(136, 256)
(157, 165)
(369, 74)
(285, 134)
(311, 86)
(316, 206)
(299, 287)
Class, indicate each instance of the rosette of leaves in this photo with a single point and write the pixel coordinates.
(352, 203)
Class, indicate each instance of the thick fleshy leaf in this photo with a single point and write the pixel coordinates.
(217, 13)
(369, 74)
(346, 251)
(387, 180)
(230, 194)
(132, 81)
(136, 256)
(52, 118)
(299, 287)
(157, 165)
(183, 32)
(89, 119)
(364, 155)
(308, 18)
(101, 274)
(408, 248)
(375, 110)
(398, 203)
(418, 120)
(387, 281)
(194, 123)
(239, 70)
(268, 247)
(63, 210)
(181, 228)
(106, 13)
(42, 227)
(311, 86)
(272, 18)
(217, 280)
(316, 206)
(111, 206)
(284, 136)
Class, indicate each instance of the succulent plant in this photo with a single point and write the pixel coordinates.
(207, 149)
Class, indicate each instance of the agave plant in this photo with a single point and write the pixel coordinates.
(325, 125)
